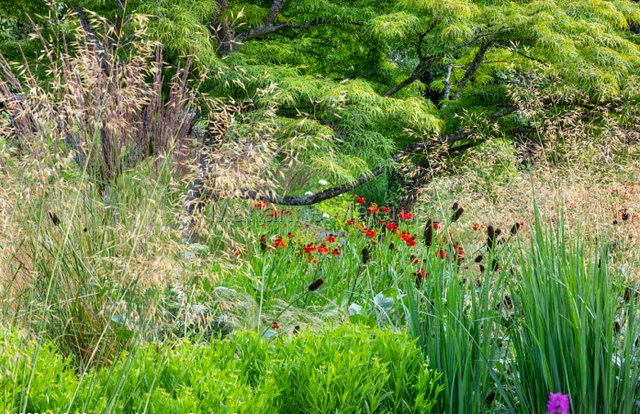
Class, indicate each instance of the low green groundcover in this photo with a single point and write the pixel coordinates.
(345, 369)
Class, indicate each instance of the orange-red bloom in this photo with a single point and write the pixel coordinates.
(405, 215)
(335, 252)
(373, 208)
(360, 200)
(386, 209)
(261, 205)
(331, 239)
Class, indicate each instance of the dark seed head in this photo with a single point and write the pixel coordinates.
(491, 237)
(366, 257)
(428, 234)
(392, 246)
(507, 302)
(316, 284)
(54, 218)
(481, 268)
(625, 214)
(615, 221)
(515, 228)
(457, 214)
(478, 258)
(263, 242)
(627, 294)
(490, 398)
(418, 279)
(498, 232)
(296, 329)
(494, 265)
(617, 327)
(84, 230)
(454, 207)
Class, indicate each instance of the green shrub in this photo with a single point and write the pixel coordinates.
(346, 369)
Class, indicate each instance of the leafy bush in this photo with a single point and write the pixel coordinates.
(346, 369)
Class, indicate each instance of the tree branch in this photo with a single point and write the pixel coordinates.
(270, 18)
(399, 156)
(473, 68)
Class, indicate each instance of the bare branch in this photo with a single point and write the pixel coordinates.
(270, 18)
(473, 68)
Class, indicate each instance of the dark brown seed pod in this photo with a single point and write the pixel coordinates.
(491, 237)
(366, 257)
(296, 329)
(507, 302)
(615, 221)
(490, 398)
(316, 284)
(454, 207)
(498, 232)
(617, 327)
(457, 214)
(54, 218)
(478, 283)
(514, 229)
(494, 265)
(481, 268)
(263, 242)
(625, 214)
(627, 294)
(418, 279)
(392, 246)
(84, 230)
(428, 234)
(478, 258)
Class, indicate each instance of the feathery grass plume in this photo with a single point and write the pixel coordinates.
(514, 229)
(428, 234)
(457, 214)
(263, 242)
(54, 218)
(365, 255)
(316, 284)
(478, 258)
(491, 237)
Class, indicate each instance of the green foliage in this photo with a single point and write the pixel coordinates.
(346, 369)
(575, 336)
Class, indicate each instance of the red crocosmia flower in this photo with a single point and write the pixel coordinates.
(335, 252)
(386, 209)
(261, 205)
(405, 215)
(275, 326)
(291, 236)
(331, 239)
(436, 225)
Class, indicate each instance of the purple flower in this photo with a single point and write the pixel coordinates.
(558, 404)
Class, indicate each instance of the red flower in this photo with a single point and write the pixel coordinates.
(411, 242)
(436, 225)
(331, 239)
(391, 226)
(286, 213)
(274, 213)
(405, 215)
(279, 242)
(335, 252)
(261, 205)
(275, 326)
(291, 236)
(373, 209)
(360, 200)
(440, 253)
(322, 249)
(386, 209)
(476, 227)
(309, 248)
